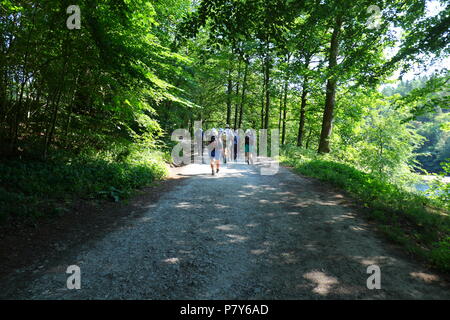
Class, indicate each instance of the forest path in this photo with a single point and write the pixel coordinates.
(240, 235)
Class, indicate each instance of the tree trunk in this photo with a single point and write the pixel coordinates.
(263, 92)
(302, 115)
(51, 131)
(283, 134)
(286, 83)
(229, 92)
(267, 86)
(324, 143)
(280, 114)
(301, 125)
(244, 89)
(236, 109)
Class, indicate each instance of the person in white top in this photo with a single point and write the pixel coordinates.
(249, 146)
(235, 144)
(227, 140)
(215, 148)
(229, 143)
(199, 144)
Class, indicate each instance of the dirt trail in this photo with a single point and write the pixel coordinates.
(238, 235)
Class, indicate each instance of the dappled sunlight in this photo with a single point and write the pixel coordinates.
(357, 228)
(220, 206)
(279, 230)
(323, 283)
(284, 193)
(249, 186)
(426, 277)
(269, 188)
(258, 251)
(229, 170)
(341, 218)
(325, 203)
(224, 150)
(236, 238)
(227, 227)
(252, 225)
(289, 257)
(303, 204)
(311, 246)
(378, 260)
(187, 205)
(172, 260)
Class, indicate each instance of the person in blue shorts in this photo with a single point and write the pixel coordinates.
(215, 147)
(249, 146)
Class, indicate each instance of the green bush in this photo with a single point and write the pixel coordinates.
(440, 255)
(26, 186)
(404, 216)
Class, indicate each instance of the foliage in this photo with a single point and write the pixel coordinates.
(102, 84)
(406, 217)
(32, 189)
(82, 112)
(440, 189)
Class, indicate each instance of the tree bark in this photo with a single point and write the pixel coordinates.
(301, 125)
(263, 92)
(324, 142)
(229, 92)
(283, 133)
(236, 109)
(286, 83)
(244, 89)
(280, 114)
(267, 87)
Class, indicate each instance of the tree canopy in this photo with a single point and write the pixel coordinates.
(137, 70)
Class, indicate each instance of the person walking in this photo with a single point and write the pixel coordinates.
(215, 150)
(249, 146)
(223, 140)
(235, 144)
(199, 144)
(228, 146)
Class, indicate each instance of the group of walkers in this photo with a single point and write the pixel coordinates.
(223, 144)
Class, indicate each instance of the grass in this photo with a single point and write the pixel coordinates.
(407, 218)
(32, 189)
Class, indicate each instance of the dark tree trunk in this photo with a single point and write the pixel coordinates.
(244, 89)
(267, 87)
(229, 93)
(285, 92)
(301, 125)
(324, 142)
(280, 114)
(263, 92)
(302, 115)
(236, 109)
(283, 134)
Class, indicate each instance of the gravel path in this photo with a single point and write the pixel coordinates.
(238, 235)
